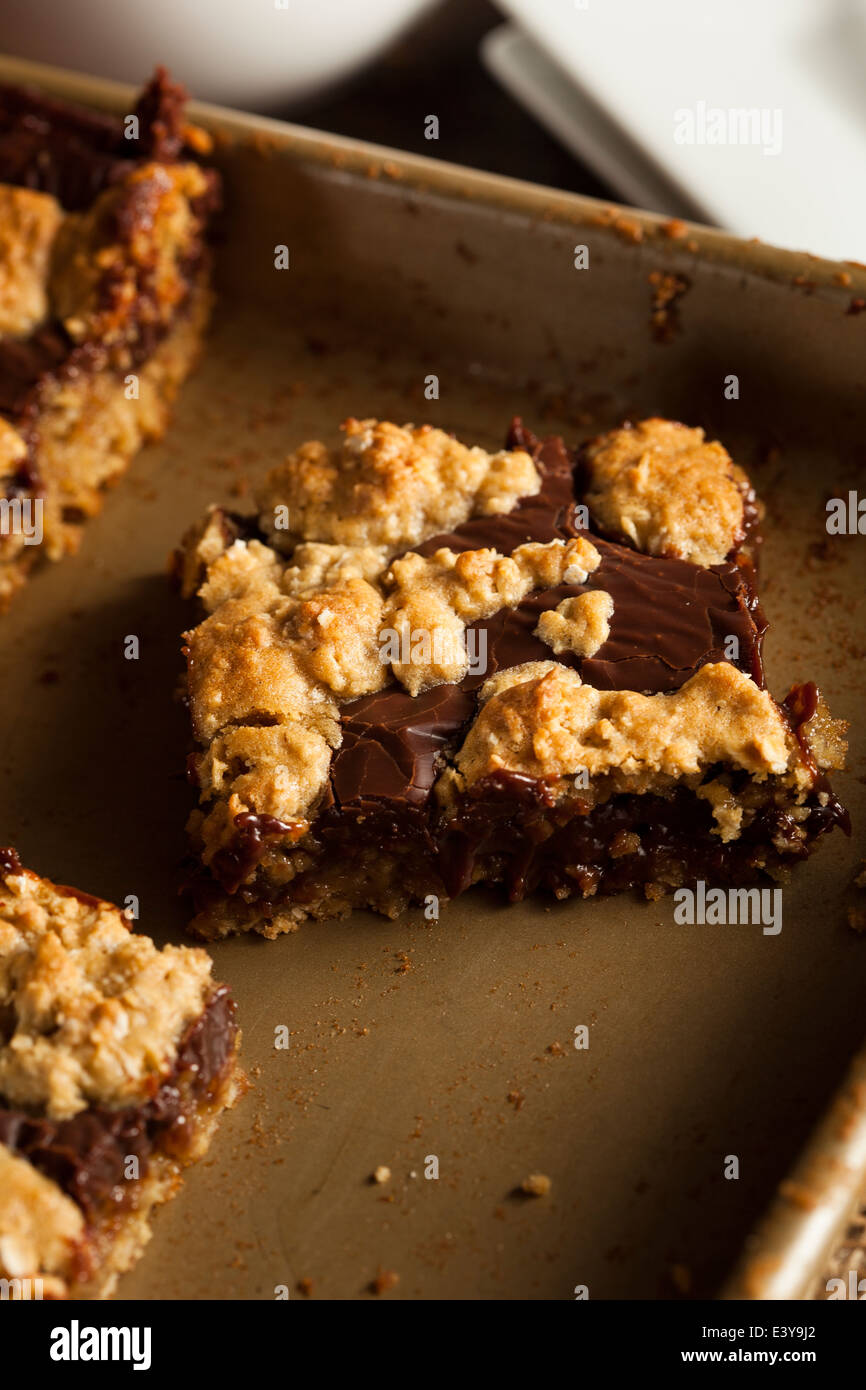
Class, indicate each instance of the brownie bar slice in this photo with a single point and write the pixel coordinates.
(425, 666)
(116, 1059)
(104, 297)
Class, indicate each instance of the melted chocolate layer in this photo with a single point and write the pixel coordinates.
(392, 743)
(74, 153)
(86, 1156)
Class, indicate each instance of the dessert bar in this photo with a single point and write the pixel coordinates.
(103, 300)
(424, 665)
(116, 1059)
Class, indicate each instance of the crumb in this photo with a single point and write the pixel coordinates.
(857, 919)
(667, 290)
(382, 1173)
(555, 1049)
(536, 1185)
(305, 1286)
(384, 1280)
(516, 1098)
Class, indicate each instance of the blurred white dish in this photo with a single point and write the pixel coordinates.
(254, 54)
(651, 79)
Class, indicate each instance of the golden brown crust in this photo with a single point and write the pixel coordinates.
(580, 625)
(29, 224)
(541, 721)
(39, 1226)
(95, 1012)
(440, 594)
(388, 485)
(667, 490)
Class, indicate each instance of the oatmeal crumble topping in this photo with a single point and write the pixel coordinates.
(665, 488)
(444, 592)
(541, 721)
(29, 223)
(388, 485)
(93, 1010)
(580, 625)
(38, 1223)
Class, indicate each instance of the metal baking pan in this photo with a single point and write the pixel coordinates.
(454, 1040)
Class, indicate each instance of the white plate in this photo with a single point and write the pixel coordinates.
(645, 93)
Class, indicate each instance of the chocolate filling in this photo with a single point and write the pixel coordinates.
(74, 153)
(508, 829)
(86, 1156)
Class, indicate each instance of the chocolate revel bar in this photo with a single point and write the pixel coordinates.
(614, 732)
(104, 273)
(110, 1051)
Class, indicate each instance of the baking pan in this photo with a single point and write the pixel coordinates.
(454, 1040)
